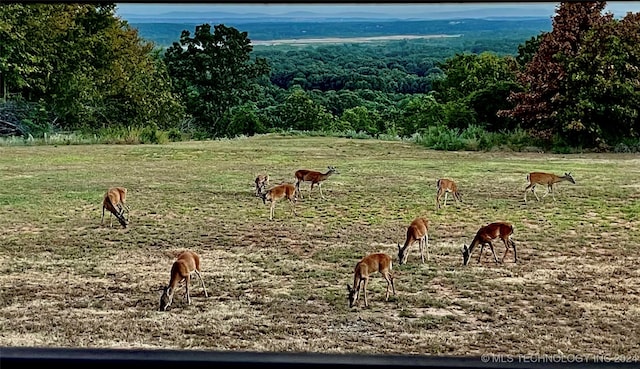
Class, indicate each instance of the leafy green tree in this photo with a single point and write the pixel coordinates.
(84, 65)
(244, 119)
(420, 112)
(214, 72)
(601, 104)
(476, 87)
(362, 119)
(300, 112)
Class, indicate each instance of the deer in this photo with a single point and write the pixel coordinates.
(502, 230)
(262, 181)
(370, 264)
(187, 262)
(444, 186)
(304, 175)
(417, 231)
(548, 179)
(113, 201)
(285, 190)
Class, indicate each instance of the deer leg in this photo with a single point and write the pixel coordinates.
(495, 258)
(533, 189)
(421, 248)
(481, 248)
(102, 220)
(202, 282)
(525, 193)
(506, 245)
(311, 188)
(386, 276)
(273, 204)
(446, 194)
(298, 189)
(187, 279)
(366, 282)
(553, 194)
(393, 287)
(293, 207)
(546, 193)
(515, 253)
(320, 187)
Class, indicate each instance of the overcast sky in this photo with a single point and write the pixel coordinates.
(619, 8)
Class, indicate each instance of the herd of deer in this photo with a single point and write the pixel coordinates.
(188, 262)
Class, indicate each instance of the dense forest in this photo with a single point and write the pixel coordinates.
(568, 83)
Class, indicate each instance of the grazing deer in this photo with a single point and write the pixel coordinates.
(304, 175)
(262, 181)
(114, 202)
(417, 231)
(485, 235)
(186, 263)
(285, 190)
(364, 268)
(548, 179)
(445, 186)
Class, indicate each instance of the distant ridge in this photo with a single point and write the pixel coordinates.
(301, 16)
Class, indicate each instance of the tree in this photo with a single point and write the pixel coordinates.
(543, 77)
(475, 88)
(602, 100)
(213, 72)
(300, 112)
(361, 119)
(84, 65)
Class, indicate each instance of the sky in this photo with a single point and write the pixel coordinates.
(618, 8)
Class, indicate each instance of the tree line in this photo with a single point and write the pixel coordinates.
(78, 67)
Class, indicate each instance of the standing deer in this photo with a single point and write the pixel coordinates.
(485, 235)
(186, 263)
(417, 231)
(364, 268)
(262, 181)
(113, 201)
(445, 186)
(285, 190)
(548, 179)
(304, 175)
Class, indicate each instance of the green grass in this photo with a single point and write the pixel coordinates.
(280, 285)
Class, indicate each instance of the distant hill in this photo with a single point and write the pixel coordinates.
(303, 16)
(164, 34)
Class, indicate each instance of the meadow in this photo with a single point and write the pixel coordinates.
(280, 285)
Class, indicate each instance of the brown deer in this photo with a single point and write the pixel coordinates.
(113, 201)
(502, 230)
(186, 263)
(262, 181)
(364, 268)
(548, 179)
(417, 231)
(285, 190)
(304, 175)
(444, 187)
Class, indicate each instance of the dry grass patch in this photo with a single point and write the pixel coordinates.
(281, 285)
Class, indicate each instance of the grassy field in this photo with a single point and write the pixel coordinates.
(68, 281)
